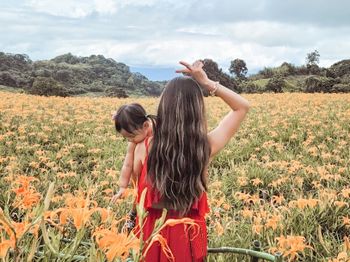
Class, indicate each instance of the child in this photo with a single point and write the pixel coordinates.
(132, 122)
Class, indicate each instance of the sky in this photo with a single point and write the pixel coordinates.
(152, 36)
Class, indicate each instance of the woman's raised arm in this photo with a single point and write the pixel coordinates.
(229, 125)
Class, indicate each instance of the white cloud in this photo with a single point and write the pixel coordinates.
(66, 8)
(105, 6)
(80, 9)
(159, 33)
(167, 52)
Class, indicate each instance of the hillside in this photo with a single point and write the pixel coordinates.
(95, 75)
(74, 75)
(290, 78)
(69, 75)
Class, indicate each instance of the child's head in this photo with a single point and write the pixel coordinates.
(131, 121)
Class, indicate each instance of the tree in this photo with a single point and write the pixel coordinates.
(312, 58)
(267, 72)
(276, 84)
(47, 86)
(341, 68)
(216, 74)
(250, 87)
(238, 68)
(319, 84)
(66, 58)
(286, 69)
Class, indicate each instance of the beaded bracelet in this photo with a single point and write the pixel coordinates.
(216, 86)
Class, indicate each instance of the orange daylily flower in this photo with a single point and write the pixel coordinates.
(242, 196)
(26, 195)
(342, 257)
(346, 192)
(115, 244)
(346, 243)
(346, 221)
(164, 246)
(340, 203)
(303, 203)
(5, 245)
(291, 245)
(256, 181)
(80, 210)
(186, 221)
(247, 213)
(273, 221)
(278, 199)
(14, 231)
(219, 228)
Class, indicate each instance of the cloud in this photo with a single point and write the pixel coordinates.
(80, 9)
(67, 8)
(158, 33)
(312, 12)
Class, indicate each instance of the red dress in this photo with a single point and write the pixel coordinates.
(185, 246)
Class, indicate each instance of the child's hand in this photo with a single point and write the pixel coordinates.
(118, 195)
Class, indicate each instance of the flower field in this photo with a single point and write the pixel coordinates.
(284, 179)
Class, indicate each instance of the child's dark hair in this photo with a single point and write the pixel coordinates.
(131, 117)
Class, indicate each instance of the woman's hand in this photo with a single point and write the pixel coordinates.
(196, 71)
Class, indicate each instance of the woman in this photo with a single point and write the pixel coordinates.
(173, 164)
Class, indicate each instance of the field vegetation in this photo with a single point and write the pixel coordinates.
(284, 179)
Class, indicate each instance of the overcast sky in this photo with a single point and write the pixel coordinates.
(151, 36)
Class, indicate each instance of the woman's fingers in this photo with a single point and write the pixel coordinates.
(184, 71)
(187, 65)
(190, 69)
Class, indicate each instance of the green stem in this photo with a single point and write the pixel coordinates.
(249, 252)
(76, 243)
(61, 255)
(46, 238)
(32, 250)
(67, 240)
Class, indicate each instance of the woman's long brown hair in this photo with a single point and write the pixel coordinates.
(180, 151)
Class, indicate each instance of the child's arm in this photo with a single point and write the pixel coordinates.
(126, 171)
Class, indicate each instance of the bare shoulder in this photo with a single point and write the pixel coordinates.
(139, 156)
(140, 151)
